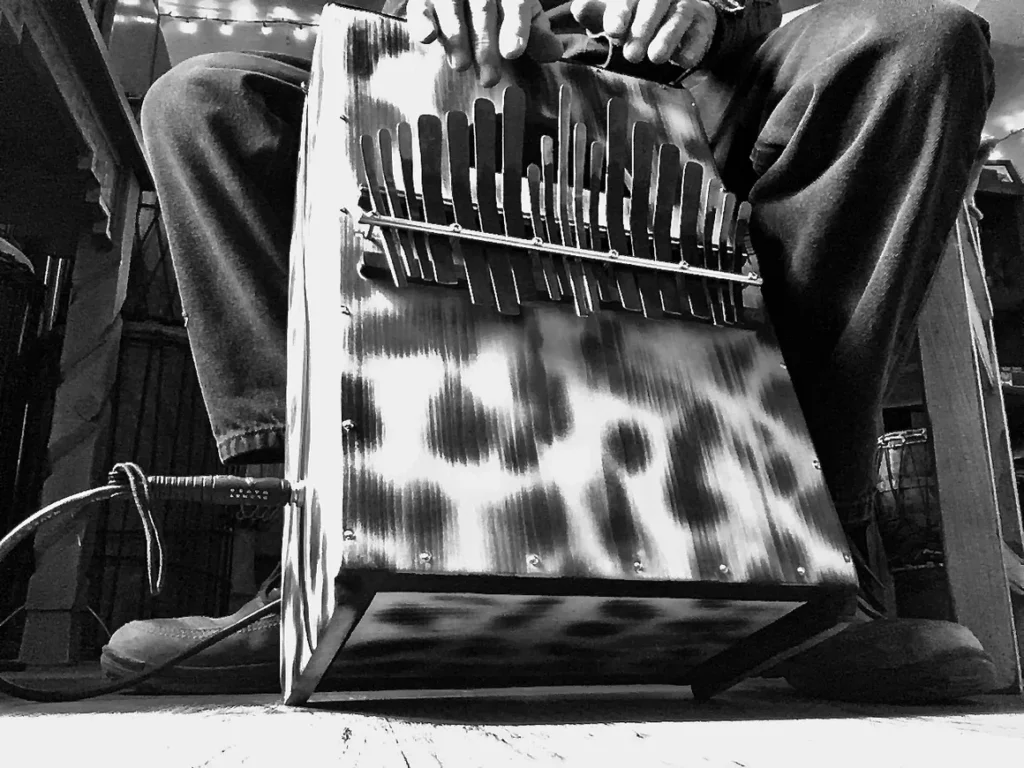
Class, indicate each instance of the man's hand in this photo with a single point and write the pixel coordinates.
(482, 32)
(679, 31)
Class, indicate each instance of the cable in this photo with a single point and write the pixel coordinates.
(127, 479)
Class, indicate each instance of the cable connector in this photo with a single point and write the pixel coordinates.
(224, 490)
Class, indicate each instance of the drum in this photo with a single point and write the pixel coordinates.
(910, 524)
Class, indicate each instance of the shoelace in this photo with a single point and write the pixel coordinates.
(139, 486)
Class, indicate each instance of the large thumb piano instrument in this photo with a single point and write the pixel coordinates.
(541, 429)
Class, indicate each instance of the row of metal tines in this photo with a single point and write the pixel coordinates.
(524, 263)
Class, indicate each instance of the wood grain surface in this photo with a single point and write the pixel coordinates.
(434, 435)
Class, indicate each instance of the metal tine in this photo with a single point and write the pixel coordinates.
(513, 128)
(668, 174)
(726, 233)
(478, 277)
(711, 206)
(607, 289)
(579, 224)
(387, 168)
(432, 266)
(690, 227)
(563, 201)
(739, 253)
(640, 203)
(428, 129)
(576, 288)
(547, 265)
(373, 181)
(616, 148)
(484, 143)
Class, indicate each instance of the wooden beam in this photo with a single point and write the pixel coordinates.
(964, 466)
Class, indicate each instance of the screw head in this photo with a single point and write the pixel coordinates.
(533, 560)
(801, 571)
(723, 568)
(348, 425)
(346, 311)
(426, 557)
(817, 464)
(847, 558)
(638, 567)
(348, 534)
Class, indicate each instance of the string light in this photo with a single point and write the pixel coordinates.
(189, 26)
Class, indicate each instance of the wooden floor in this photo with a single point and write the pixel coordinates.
(760, 723)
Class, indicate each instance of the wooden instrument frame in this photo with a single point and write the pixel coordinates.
(357, 537)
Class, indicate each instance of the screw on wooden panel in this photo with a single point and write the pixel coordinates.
(817, 464)
(782, 366)
(638, 567)
(345, 310)
(533, 560)
(723, 568)
(426, 557)
(801, 571)
(348, 534)
(348, 425)
(847, 558)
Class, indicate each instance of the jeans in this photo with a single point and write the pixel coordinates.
(851, 130)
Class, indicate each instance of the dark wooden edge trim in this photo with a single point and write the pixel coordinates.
(795, 632)
(349, 580)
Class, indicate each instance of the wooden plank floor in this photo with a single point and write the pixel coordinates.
(758, 724)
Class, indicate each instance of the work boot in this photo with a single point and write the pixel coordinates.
(245, 662)
(894, 661)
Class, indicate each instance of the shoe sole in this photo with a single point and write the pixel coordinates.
(182, 679)
(949, 677)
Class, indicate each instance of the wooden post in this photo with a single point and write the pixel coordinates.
(966, 457)
(55, 605)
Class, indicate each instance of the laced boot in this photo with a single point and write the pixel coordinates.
(245, 662)
(881, 659)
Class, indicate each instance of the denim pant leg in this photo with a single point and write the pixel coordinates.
(852, 131)
(221, 131)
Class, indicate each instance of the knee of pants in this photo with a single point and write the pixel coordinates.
(173, 106)
(939, 37)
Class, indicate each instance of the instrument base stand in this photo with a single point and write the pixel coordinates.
(403, 631)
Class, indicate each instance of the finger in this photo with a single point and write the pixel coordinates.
(483, 25)
(618, 15)
(453, 32)
(669, 37)
(647, 20)
(544, 45)
(516, 20)
(589, 14)
(423, 24)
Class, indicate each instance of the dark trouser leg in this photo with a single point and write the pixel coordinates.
(222, 135)
(852, 131)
